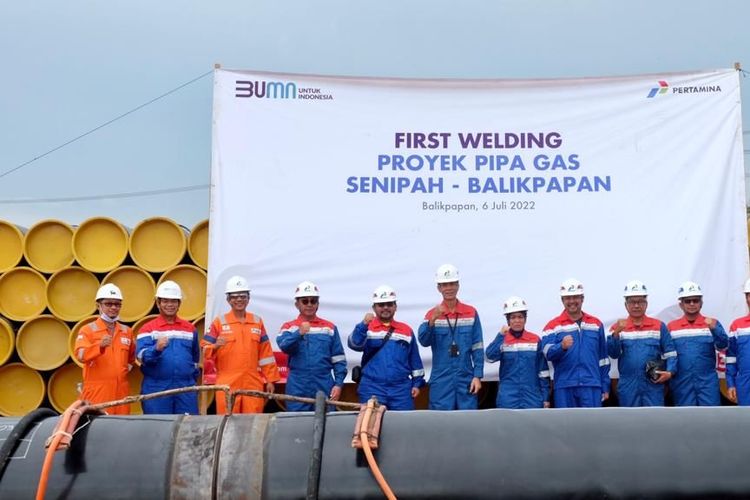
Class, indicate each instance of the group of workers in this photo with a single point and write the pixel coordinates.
(573, 347)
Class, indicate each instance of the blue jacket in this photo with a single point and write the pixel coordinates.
(636, 346)
(639, 344)
(696, 382)
(177, 364)
(738, 359)
(585, 363)
(312, 357)
(524, 375)
(396, 362)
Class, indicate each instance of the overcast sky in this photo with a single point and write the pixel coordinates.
(69, 67)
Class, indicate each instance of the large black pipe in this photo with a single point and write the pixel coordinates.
(20, 429)
(577, 453)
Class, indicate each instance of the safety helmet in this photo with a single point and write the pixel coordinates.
(571, 287)
(236, 284)
(689, 289)
(306, 289)
(635, 288)
(383, 293)
(108, 291)
(169, 290)
(514, 304)
(747, 286)
(446, 273)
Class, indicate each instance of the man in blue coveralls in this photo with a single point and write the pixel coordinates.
(392, 369)
(575, 343)
(315, 351)
(696, 339)
(454, 332)
(167, 348)
(635, 342)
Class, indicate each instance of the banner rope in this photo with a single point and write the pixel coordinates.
(108, 122)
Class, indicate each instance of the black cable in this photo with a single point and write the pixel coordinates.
(217, 455)
(18, 432)
(316, 453)
(71, 141)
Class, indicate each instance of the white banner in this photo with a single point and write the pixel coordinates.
(357, 182)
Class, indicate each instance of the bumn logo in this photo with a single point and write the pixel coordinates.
(269, 90)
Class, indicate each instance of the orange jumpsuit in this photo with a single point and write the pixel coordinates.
(105, 369)
(241, 360)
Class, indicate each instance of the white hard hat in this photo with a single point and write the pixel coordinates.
(571, 287)
(635, 288)
(689, 289)
(747, 286)
(514, 304)
(236, 284)
(306, 289)
(108, 291)
(446, 273)
(169, 290)
(383, 293)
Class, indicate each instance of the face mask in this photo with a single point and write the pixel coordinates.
(107, 319)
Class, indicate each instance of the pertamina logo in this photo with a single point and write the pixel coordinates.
(661, 89)
(264, 89)
(664, 88)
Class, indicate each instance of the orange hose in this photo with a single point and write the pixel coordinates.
(368, 453)
(52, 446)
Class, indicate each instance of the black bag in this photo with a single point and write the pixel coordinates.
(654, 365)
(357, 370)
(356, 374)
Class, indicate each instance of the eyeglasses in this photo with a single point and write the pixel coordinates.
(309, 301)
(238, 296)
(691, 301)
(112, 304)
(386, 304)
(636, 302)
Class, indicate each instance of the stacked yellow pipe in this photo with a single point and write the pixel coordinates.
(198, 245)
(192, 281)
(137, 287)
(48, 281)
(48, 246)
(100, 244)
(158, 244)
(71, 292)
(11, 246)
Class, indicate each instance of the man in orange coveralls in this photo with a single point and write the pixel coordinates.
(238, 344)
(107, 350)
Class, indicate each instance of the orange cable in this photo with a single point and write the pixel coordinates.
(368, 453)
(52, 446)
